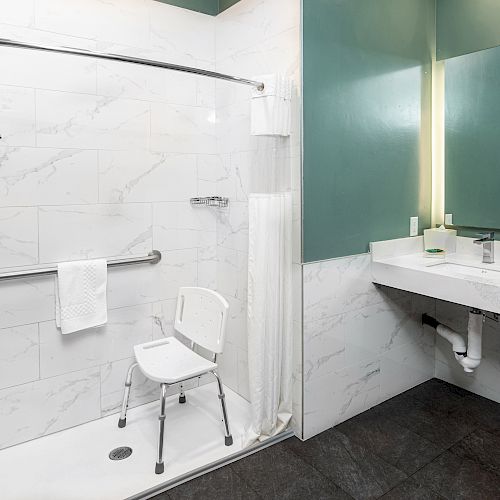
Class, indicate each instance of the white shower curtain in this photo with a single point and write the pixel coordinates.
(270, 314)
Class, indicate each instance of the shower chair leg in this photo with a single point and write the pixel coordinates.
(182, 396)
(128, 383)
(228, 440)
(160, 466)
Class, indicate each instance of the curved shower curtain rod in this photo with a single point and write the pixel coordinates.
(134, 60)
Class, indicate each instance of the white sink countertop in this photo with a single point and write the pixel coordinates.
(460, 277)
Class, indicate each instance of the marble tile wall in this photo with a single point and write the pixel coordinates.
(253, 37)
(363, 344)
(99, 159)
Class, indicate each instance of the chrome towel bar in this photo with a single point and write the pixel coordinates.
(152, 258)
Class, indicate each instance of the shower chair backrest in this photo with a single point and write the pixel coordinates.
(201, 316)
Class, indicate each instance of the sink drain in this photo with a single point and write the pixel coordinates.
(120, 453)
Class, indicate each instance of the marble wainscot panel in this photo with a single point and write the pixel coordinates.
(362, 343)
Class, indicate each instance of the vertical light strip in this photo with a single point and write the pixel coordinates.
(438, 138)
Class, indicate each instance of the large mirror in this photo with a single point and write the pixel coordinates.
(472, 138)
(467, 35)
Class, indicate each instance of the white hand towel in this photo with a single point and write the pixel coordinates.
(271, 107)
(81, 295)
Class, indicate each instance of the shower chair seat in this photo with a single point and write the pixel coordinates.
(201, 317)
(169, 361)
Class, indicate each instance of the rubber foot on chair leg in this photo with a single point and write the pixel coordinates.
(182, 399)
(122, 422)
(159, 468)
(228, 440)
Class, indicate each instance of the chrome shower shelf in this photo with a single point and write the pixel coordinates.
(210, 201)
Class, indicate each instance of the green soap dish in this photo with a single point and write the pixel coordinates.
(435, 253)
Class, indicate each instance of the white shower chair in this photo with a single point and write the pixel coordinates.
(201, 317)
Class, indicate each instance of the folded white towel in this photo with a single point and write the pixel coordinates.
(81, 295)
(271, 107)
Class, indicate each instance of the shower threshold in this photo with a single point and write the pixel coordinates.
(75, 463)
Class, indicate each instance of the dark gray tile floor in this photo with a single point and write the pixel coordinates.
(435, 441)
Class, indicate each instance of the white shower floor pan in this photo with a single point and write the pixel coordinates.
(74, 464)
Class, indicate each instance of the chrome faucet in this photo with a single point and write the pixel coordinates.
(488, 242)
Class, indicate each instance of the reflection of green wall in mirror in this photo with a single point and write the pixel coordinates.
(366, 122)
(464, 26)
(472, 138)
(212, 7)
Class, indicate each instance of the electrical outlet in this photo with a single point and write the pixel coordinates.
(413, 226)
(448, 219)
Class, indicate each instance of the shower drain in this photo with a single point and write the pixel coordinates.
(120, 453)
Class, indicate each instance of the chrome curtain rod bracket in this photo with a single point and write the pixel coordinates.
(134, 60)
(152, 258)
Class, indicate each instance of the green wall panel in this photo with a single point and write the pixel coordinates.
(212, 7)
(472, 138)
(366, 77)
(464, 26)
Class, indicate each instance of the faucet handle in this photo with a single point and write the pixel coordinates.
(487, 236)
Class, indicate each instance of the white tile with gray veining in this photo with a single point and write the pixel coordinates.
(18, 236)
(178, 225)
(182, 129)
(232, 272)
(405, 366)
(26, 68)
(21, 13)
(135, 176)
(38, 408)
(172, 32)
(338, 396)
(26, 301)
(177, 268)
(337, 286)
(249, 23)
(17, 116)
(115, 340)
(91, 231)
(19, 355)
(70, 120)
(90, 19)
(163, 318)
(232, 227)
(43, 176)
(207, 263)
(214, 176)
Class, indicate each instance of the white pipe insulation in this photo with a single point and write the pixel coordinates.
(468, 356)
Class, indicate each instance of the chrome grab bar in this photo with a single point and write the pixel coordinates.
(152, 258)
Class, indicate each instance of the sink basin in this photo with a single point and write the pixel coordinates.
(465, 271)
